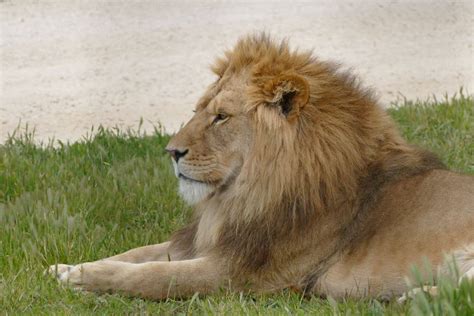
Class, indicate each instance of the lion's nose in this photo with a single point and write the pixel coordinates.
(176, 153)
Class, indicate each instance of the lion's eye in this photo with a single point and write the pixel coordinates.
(220, 117)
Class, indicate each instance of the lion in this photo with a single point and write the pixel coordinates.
(298, 179)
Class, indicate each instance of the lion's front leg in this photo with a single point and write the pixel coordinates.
(155, 280)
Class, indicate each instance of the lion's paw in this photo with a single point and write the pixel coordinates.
(432, 290)
(71, 275)
(97, 276)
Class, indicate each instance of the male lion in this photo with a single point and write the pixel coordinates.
(298, 179)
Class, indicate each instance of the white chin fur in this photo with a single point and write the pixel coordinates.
(193, 192)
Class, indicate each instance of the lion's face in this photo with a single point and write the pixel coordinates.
(208, 152)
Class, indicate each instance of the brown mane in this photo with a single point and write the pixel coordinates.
(327, 166)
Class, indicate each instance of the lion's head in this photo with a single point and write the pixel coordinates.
(273, 114)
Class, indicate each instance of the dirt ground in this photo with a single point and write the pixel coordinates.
(67, 65)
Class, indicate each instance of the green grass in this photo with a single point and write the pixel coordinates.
(115, 191)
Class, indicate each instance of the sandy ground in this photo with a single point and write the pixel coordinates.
(68, 65)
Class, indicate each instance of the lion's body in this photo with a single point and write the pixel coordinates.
(419, 219)
(299, 179)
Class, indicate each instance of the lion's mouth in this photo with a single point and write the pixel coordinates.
(182, 176)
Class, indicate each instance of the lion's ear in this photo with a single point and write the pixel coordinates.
(290, 93)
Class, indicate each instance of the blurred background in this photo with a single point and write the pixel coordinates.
(68, 65)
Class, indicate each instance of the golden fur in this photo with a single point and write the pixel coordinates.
(299, 179)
